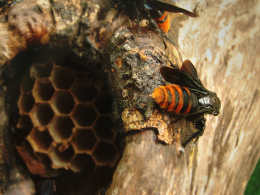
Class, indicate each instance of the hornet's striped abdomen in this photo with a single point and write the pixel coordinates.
(176, 99)
(163, 21)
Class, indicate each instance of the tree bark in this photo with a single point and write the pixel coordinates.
(223, 45)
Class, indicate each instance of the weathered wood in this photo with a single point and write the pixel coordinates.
(150, 156)
(223, 45)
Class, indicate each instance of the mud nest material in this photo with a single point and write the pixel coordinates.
(65, 117)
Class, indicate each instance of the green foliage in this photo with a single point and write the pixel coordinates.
(253, 186)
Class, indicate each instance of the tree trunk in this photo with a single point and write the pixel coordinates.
(223, 45)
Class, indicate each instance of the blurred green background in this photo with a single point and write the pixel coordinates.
(253, 186)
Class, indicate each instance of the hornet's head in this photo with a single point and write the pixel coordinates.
(214, 103)
(210, 103)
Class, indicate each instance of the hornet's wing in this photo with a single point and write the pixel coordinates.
(186, 77)
(163, 6)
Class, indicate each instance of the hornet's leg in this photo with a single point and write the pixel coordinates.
(200, 125)
(137, 12)
(119, 7)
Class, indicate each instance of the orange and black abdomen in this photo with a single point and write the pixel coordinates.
(162, 19)
(176, 99)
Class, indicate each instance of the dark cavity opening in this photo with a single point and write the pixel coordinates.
(103, 127)
(103, 103)
(105, 152)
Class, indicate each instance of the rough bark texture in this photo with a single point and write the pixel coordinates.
(223, 45)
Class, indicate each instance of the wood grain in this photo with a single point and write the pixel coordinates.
(223, 44)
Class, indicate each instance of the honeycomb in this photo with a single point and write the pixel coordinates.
(65, 115)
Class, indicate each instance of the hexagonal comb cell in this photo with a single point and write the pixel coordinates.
(84, 91)
(65, 114)
(103, 127)
(25, 103)
(61, 157)
(63, 102)
(62, 78)
(82, 161)
(25, 125)
(27, 84)
(61, 128)
(40, 140)
(42, 114)
(83, 139)
(105, 152)
(43, 90)
(42, 70)
(84, 115)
